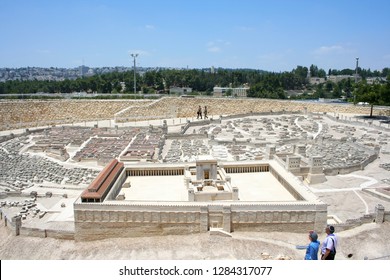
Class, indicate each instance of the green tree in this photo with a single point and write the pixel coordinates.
(321, 73)
(385, 92)
(336, 91)
(386, 73)
(301, 72)
(329, 86)
(370, 94)
(320, 91)
(313, 70)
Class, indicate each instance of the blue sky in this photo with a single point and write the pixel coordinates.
(269, 35)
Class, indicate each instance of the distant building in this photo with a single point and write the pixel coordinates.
(236, 92)
(376, 80)
(90, 72)
(83, 70)
(338, 78)
(316, 80)
(180, 90)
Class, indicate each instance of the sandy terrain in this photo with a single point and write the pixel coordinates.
(369, 240)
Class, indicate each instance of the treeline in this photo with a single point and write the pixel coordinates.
(364, 73)
(148, 82)
(262, 84)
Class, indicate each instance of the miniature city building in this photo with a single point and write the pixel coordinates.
(316, 174)
(206, 168)
(300, 150)
(270, 151)
(211, 182)
(293, 163)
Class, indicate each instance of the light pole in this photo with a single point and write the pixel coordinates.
(356, 70)
(356, 78)
(135, 82)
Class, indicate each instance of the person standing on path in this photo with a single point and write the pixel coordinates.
(199, 112)
(312, 248)
(328, 249)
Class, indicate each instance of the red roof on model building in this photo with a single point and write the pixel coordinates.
(98, 189)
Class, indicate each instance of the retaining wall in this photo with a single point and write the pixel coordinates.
(33, 113)
(29, 113)
(99, 221)
(186, 108)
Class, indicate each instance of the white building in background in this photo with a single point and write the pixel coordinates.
(180, 90)
(83, 70)
(235, 92)
(338, 78)
(316, 80)
(376, 80)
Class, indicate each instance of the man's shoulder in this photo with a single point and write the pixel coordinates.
(328, 238)
(332, 236)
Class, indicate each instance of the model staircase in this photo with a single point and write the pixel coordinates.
(219, 232)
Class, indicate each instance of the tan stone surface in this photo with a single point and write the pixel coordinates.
(259, 186)
(29, 113)
(370, 240)
(33, 113)
(180, 107)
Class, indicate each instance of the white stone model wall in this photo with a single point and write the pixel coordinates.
(131, 219)
(99, 221)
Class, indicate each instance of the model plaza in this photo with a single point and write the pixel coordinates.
(258, 184)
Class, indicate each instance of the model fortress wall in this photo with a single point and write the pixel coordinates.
(159, 199)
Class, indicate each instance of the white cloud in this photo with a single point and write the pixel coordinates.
(214, 49)
(216, 46)
(149, 27)
(335, 49)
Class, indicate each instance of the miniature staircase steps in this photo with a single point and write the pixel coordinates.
(219, 232)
